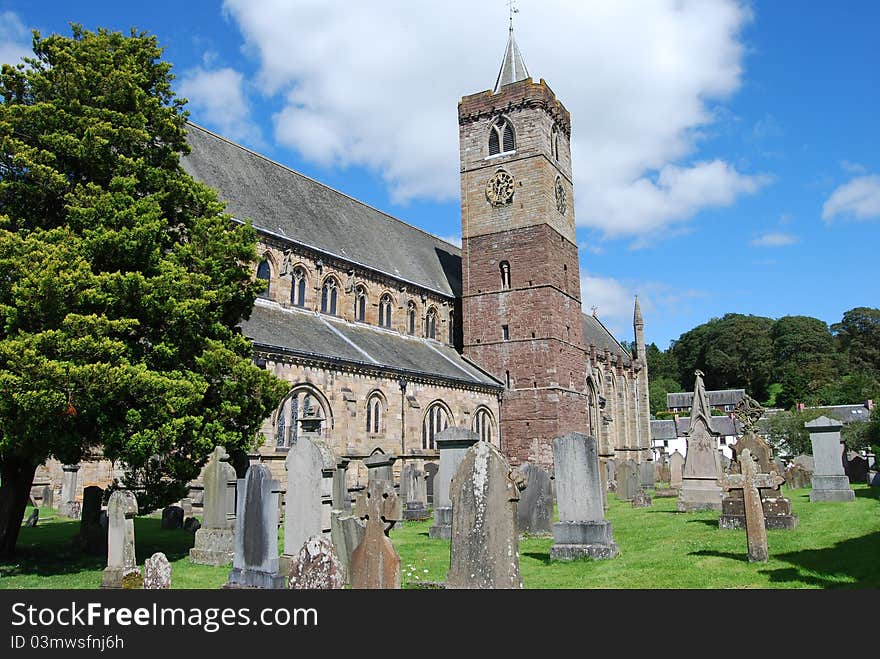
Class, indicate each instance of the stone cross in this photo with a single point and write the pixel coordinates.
(375, 563)
(749, 481)
(122, 570)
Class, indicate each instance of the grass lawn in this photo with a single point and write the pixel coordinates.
(836, 545)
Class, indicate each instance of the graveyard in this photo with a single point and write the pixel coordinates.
(835, 546)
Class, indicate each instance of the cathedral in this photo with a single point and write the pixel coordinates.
(389, 334)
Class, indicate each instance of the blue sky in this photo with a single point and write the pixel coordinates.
(726, 154)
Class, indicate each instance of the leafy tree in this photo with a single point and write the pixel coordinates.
(787, 434)
(858, 337)
(123, 280)
(661, 364)
(850, 389)
(804, 358)
(659, 387)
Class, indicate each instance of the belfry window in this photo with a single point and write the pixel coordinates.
(328, 297)
(501, 139)
(264, 272)
(298, 288)
(360, 304)
(385, 311)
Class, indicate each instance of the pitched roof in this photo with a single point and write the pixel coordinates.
(513, 68)
(723, 425)
(309, 334)
(595, 333)
(717, 397)
(663, 429)
(283, 202)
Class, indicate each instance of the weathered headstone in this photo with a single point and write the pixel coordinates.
(641, 500)
(92, 537)
(215, 540)
(702, 465)
(484, 552)
(122, 570)
(375, 564)
(191, 524)
(829, 480)
(172, 517)
(347, 532)
(647, 473)
(750, 480)
(611, 475)
(69, 507)
(856, 468)
(340, 499)
(255, 563)
(32, 519)
(380, 466)
(797, 477)
(187, 505)
(534, 510)
(317, 566)
(676, 470)
(452, 444)
(805, 461)
(310, 467)
(157, 572)
(582, 529)
(430, 473)
(413, 492)
(48, 498)
(627, 480)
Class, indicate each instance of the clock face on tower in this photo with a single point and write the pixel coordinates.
(499, 189)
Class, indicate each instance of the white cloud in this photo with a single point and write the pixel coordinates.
(860, 198)
(375, 85)
(774, 239)
(455, 240)
(15, 39)
(853, 167)
(217, 99)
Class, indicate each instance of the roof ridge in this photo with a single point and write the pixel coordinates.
(614, 338)
(316, 181)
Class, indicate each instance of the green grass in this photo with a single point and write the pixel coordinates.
(835, 546)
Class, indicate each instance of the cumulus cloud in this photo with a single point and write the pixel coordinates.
(859, 199)
(217, 99)
(15, 39)
(375, 85)
(774, 239)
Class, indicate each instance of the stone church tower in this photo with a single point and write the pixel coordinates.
(520, 281)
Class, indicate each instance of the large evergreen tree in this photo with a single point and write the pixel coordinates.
(122, 279)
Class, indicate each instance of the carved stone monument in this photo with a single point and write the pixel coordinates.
(829, 479)
(452, 444)
(317, 566)
(375, 564)
(414, 492)
(702, 465)
(122, 570)
(534, 511)
(215, 539)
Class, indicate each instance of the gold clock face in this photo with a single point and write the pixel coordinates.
(499, 189)
(560, 196)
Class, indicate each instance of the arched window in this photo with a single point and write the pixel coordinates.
(436, 420)
(360, 304)
(298, 287)
(483, 424)
(505, 274)
(328, 296)
(375, 408)
(411, 317)
(451, 327)
(431, 324)
(385, 311)
(501, 139)
(291, 411)
(264, 272)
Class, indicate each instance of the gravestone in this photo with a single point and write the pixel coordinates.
(414, 492)
(702, 465)
(380, 466)
(805, 461)
(92, 537)
(582, 529)
(157, 572)
(122, 570)
(534, 510)
(798, 477)
(375, 564)
(647, 473)
(749, 481)
(676, 470)
(641, 500)
(628, 481)
(484, 552)
(347, 532)
(192, 525)
(317, 566)
(430, 473)
(48, 497)
(172, 517)
(664, 474)
(776, 508)
(69, 507)
(611, 475)
(452, 444)
(310, 467)
(187, 505)
(725, 462)
(215, 540)
(340, 499)
(255, 561)
(856, 468)
(32, 519)
(829, 480)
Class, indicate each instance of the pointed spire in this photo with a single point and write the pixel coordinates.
(513, 69)
(637, 314)
(700, 408)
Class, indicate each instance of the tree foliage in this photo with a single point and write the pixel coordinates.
(123, 279)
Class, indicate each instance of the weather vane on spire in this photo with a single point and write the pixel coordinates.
(511, 5)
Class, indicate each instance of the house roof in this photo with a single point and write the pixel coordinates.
(285, 203)
(312, 335)
(663, 429)
(717, 397)
(595, 333)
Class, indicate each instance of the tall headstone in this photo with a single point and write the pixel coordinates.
(856, 468)
(749, 481)
(255, 563)
(628, 482)
(310, 467)
(647, 473)
(534, 510)
(341, 500)
(582, 529)
(122, 570)
(452, 444)
(413, 492)
(375, 564)
(157, 572)
(611, 475)
(347, 532)
(69, 506)
(48, 498)
(484, 552)
(702, 465)
(317, 566)
(676, 470)
(829, 480)
(215, 540)
(92, 537)
(430, 474)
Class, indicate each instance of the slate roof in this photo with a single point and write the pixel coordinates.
(309, 334)
(663, 429)
(717, 397)
(283, 202)
(595, 333)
